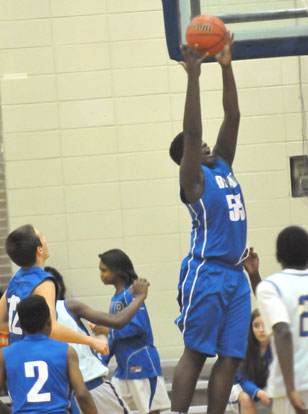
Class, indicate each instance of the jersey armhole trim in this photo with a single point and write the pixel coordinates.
(275, 286)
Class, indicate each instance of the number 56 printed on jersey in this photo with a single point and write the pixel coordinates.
(236, 207)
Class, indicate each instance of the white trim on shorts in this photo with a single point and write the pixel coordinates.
(107, 400)
(136, 393)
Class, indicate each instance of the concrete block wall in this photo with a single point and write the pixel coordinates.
(90, 103)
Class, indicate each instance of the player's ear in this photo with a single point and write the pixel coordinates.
(48, 325)
(39, 250)
(278, 258)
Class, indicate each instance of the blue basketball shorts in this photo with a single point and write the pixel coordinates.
(215, 308)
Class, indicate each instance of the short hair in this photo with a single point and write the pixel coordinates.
(292, 247)
(118, 261)
(33, 313)
(21, 245)
(177, 148)
(61, 289)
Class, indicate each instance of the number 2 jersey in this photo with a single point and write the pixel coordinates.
(37, 375)
(283, 297)
(219, 226)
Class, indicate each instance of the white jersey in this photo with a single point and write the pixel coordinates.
(283, 297)
(89, 363)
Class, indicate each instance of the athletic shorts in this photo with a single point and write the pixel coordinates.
(106, 398)
(283, 405)
(215, 308)
(233, 399)
(137, 393)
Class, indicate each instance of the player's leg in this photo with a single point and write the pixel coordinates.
(185, 379)
(247, 405)
(232, 341)
(201, 320)
(220, 384)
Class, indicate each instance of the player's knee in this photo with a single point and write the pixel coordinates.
(245, 401)
(194, 356)
(231, 363)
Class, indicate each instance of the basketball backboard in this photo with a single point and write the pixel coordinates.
(263, 28)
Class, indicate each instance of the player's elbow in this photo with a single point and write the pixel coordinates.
(233, 115)
(282, 332)
(119, 323)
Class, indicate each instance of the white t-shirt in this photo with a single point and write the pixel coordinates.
(283, 297)
(90, 364)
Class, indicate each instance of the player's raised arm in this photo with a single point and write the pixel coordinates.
(61, 332)
(191, 177)
(227, 137)
(79, 310)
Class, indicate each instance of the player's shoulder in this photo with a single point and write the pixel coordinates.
(270, 284)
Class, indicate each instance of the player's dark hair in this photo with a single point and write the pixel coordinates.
(33, 313)
(292, 247)
(252, 367)
(177, 148)
(21, 245)
(59, 281)
(118, 261)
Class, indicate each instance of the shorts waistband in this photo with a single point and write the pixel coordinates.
(238, 267)
(96, 382)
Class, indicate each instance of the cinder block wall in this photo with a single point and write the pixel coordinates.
(90, 103)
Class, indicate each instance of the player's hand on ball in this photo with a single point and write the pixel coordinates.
(140, 288)
(224, 57)
(192, 60)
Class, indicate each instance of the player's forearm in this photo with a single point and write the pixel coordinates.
(86, 403)
(255, 279)
(65, 334)
(192, 124)
(230, 100)
(123, 317)
(284, 349)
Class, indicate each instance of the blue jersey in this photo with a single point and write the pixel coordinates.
(132, 345)
(20, 287)
(218, 218)
(252, 387)
(37, 375)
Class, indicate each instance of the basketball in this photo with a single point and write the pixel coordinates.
(208, 32)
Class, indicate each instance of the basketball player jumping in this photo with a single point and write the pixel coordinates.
(214, 294)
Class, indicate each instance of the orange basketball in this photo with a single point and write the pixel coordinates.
(208, 32)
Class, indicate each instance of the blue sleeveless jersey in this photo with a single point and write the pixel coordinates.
(219, 225)
(132, 345)
(21, 286)
(37, 375)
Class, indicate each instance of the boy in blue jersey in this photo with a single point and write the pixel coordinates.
(39, 371)
(27, 248)
(214, 294)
